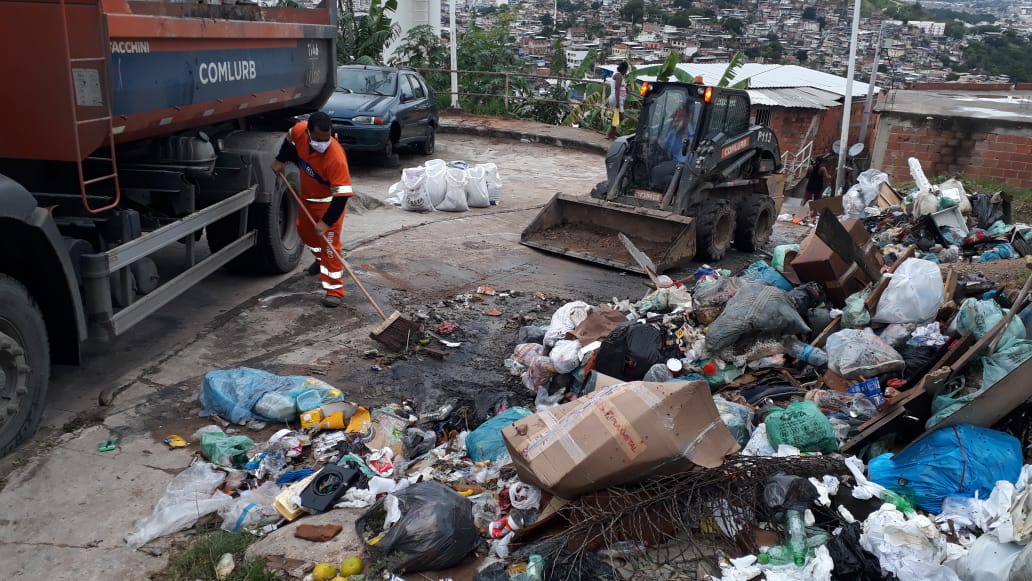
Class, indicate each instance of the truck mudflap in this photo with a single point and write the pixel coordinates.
(588, 229)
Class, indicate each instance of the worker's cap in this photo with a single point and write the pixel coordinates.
(680, 115)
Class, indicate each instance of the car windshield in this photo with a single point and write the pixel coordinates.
(367, 81)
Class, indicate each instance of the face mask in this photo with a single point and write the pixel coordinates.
(319, 146)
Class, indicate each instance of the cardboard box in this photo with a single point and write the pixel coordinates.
(816, 262)
(618, 434)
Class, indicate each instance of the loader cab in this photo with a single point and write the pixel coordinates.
(668, 129)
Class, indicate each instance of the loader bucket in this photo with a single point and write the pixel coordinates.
(586, 228)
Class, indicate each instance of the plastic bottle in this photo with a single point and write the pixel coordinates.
(782, 554)
(796, 536)
(812, 355)
(898, 501)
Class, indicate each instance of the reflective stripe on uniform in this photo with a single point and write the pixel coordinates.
(341, 190)
(314, 249)
(337, 275)
(329, 286)
(317, 200)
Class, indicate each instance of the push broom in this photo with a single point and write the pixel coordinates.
(395, 332)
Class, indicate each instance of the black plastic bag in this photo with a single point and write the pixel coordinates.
(919, 360)
(852, 562)
(531, 334)
(629, 351)
(986, 211)
(436, 529)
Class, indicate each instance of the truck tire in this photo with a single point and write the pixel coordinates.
(24, 364)
(714, 229)
(755, 222)
(278, 248)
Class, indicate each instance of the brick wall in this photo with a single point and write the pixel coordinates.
(795, 127)
(954, 146)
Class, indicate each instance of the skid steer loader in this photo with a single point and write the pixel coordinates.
(695, 178)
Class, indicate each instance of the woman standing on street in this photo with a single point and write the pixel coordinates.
(617, 96)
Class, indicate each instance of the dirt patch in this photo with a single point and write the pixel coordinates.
(1007, 274)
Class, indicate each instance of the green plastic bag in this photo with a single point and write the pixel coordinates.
(225, 450)
(1007, 358)
(802, 425)
(945, 404)
(778, 262)
(854, 314)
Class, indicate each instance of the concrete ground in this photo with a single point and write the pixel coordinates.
(68, 507)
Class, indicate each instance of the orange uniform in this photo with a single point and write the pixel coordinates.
(324, 179)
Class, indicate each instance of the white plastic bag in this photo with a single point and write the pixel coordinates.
(917, 172)
(494, 183)
(524, 496)
(394, 194)
(455, 197)
(565, 355)
(870, 181)
(415, 197)
(253, 508)
(914, 294)
(910, 548)
(436, 180)
(476, 188)
(192, 494)
(952, 189)
(853, 354)
(565, 319)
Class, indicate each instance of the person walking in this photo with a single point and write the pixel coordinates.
(617, 96)
(819, 179)
(325, 189)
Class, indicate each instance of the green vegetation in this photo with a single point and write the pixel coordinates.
(421, 49)
(1006, 54)
(489, 51)
(361, 40)
(198, 561)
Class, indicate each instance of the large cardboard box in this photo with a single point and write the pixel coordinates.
(816, 262)
(618, 434)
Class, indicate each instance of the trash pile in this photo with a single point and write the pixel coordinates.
(718, 427)
(446, 186)
(945, 222)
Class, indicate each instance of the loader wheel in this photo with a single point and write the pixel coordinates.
(755, 223)
(600, 191)
(24, 364)
(714, 229)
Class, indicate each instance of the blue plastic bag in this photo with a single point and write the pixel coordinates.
(485, 442)
(760, 271)
(235, 394)
(956, 461)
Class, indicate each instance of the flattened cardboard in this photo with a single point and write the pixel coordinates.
(618, 434)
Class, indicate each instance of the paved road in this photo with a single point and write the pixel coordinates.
(68, 507)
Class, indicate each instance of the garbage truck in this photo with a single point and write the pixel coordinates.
(694, 178)
(129, 127)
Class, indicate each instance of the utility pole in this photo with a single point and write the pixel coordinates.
(454, 45)
(870, 85)
(847, 106)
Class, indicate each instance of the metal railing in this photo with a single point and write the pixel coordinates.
(514, 88)
(796, 164)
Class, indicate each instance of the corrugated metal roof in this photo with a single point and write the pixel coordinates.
(795, 97)
(776, 76)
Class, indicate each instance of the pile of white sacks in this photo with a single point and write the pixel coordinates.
(447, 186)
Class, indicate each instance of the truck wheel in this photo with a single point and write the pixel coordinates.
(600, 191)
(278, 248)
(24, 364)
(755, 223)
(715, 226)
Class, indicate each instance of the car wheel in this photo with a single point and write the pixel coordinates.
(430, 143)
(391, 158)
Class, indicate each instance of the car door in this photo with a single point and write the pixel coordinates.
(415, 104)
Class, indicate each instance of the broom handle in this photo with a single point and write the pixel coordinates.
(358, 283)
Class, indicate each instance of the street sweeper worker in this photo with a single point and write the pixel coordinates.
(325, 189)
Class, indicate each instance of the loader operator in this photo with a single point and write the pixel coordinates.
(325, 189)
(672, 142)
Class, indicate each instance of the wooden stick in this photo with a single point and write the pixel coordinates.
(358, 283)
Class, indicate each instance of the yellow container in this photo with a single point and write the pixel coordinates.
(311, 418)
